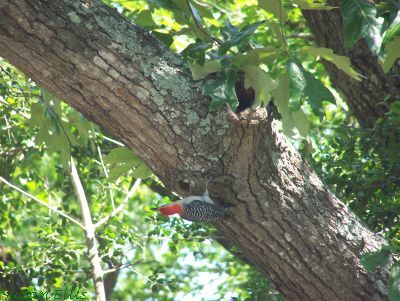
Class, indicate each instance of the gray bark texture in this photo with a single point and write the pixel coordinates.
(364, 97)
(284, 220)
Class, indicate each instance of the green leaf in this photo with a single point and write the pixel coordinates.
(172, 247)
(83, 126)
(196, 51)
(276, 29)
(241, 38)
(297, 84)
(371, 260)
(341, 62)
(203, 8)
(142, 171)
(166, 38)
(118, 170)
(393, 30)
(360, 20)
(129, 5)
(261, 82)
(196, 13)
(274, 7)
(121, 155)
(395, 108)
(167, 4)
(221, 89)
(228, 30)
(300, 122)
(301, 82)
(392, 53)
(316, 93)
(199, 71)
(216, 103)
(254, 57)
(123, 160)
(290, 120)
(145, 19)
(37, 112)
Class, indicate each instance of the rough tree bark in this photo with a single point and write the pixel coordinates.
(362, 96)
(284, 220)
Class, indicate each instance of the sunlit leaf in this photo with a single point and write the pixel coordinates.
(254, 57)
(274, 7)
(144, 18)
(392, 49)
(201, 71)
(261, 82)
(341, 62)
(290, 120)
(121, 155)
(118, 170)
(142, 171)
(393, 30)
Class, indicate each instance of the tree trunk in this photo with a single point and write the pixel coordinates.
(284, 220)
(364, 97)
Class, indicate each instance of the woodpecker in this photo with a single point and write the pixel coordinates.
(196, 209)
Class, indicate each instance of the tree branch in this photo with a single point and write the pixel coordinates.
(93, 253)
(120, 207)
(41, 202)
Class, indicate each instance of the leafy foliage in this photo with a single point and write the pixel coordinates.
(360, 20)
(362, 167)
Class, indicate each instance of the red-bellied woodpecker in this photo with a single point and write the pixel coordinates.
(196, 209)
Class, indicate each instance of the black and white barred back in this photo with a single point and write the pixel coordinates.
(201, 211)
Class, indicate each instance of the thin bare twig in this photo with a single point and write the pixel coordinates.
(93, 252)
(108, 139)
(121, 206)
(123, 266)
(41, 202)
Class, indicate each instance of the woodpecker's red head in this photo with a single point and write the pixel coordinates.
(170, 209)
